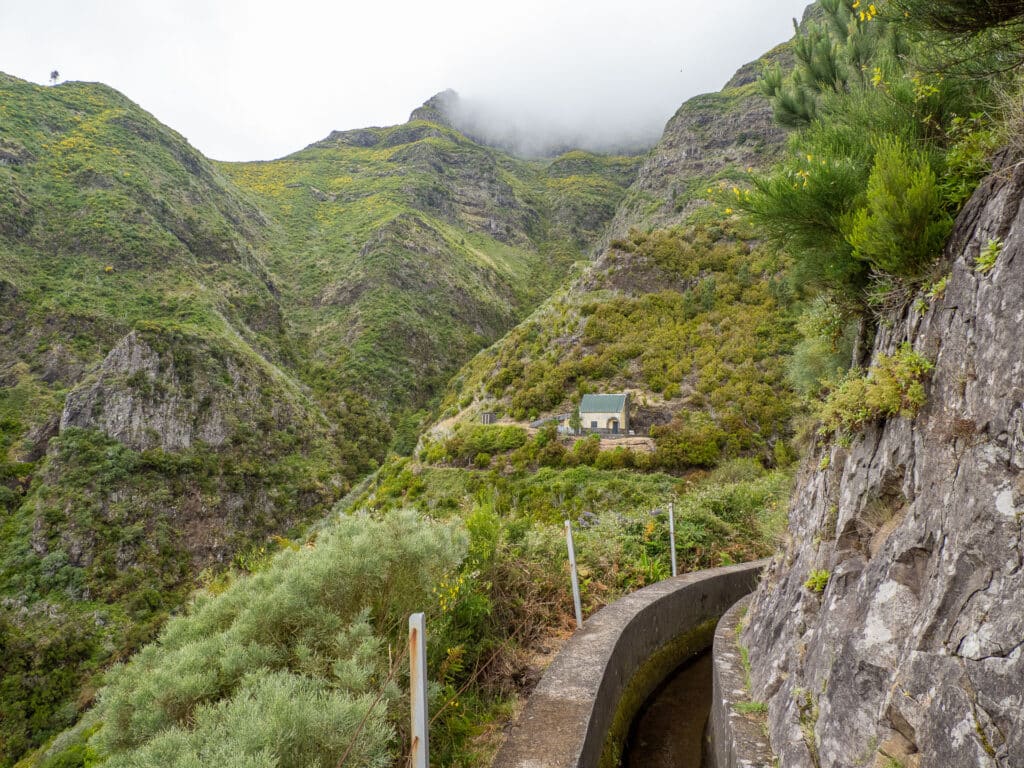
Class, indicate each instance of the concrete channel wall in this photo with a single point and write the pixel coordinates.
(734, 738)
(580, 713)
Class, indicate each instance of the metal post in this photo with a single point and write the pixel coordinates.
(672, 536)
(420, 750)
(572, 573)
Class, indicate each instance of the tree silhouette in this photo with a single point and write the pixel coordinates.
(54, 77)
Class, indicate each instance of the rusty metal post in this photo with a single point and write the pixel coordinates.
(572, 573)
(420, 749)
(672, 536)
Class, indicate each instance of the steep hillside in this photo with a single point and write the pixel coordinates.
(149, 426)
(401, 251)
(715, 137)
(200, 356)
(682, 307)
(196, 346)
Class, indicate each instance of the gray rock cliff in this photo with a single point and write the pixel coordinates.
(914, 651)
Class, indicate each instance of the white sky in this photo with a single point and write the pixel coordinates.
(254, 79)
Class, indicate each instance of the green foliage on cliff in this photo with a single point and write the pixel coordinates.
(898, 111)
(888, 151)
(893, 386)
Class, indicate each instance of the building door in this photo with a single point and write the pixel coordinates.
(613, 425)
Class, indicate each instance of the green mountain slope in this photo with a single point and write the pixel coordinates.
(401, 251)
(198, 356)
(683, 307)
(149, 424)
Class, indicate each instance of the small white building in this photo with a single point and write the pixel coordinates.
(605, 414)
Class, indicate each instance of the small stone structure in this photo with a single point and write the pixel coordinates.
(604, 414)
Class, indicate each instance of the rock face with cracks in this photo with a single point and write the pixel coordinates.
(913, 654)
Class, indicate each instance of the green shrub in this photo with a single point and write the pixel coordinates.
(963, 16)
(552, 455)
(471, 440)
(817, 581)
(886, 153)
(989, 255)
(903, 226)
(690, 440)
(617, 458)
(587, 450)
(824, 352)
(893, 386)
(750, 707)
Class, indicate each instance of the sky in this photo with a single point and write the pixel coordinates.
(256, 79)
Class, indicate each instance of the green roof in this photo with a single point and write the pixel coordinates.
(602, 403)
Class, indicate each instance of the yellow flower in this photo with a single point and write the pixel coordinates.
(728, 211)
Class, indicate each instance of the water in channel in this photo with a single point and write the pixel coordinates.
(668, 732)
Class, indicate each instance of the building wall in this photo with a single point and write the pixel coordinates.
(602, 420)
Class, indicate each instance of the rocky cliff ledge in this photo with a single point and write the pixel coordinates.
(913, 654)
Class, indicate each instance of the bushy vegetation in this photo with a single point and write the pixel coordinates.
(703, 324)
(963, 17)
(817, 581)
(893, 386)
(886, 153)
(896, 112)
(288, 667)
(472, 440)
(299, 662)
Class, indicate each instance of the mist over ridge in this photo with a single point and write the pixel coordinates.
(532, 131)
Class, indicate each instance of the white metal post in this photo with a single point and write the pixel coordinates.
(572, 572)
(672, 536)
(420, 749)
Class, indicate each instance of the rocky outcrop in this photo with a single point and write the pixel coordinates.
(715, 135)
(913, 654)
(147, 398)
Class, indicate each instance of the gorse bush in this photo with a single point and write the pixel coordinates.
(963, 16)
(691, 440)
(891, 138)
(825, 350)
(472, 440)
(886, 153)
